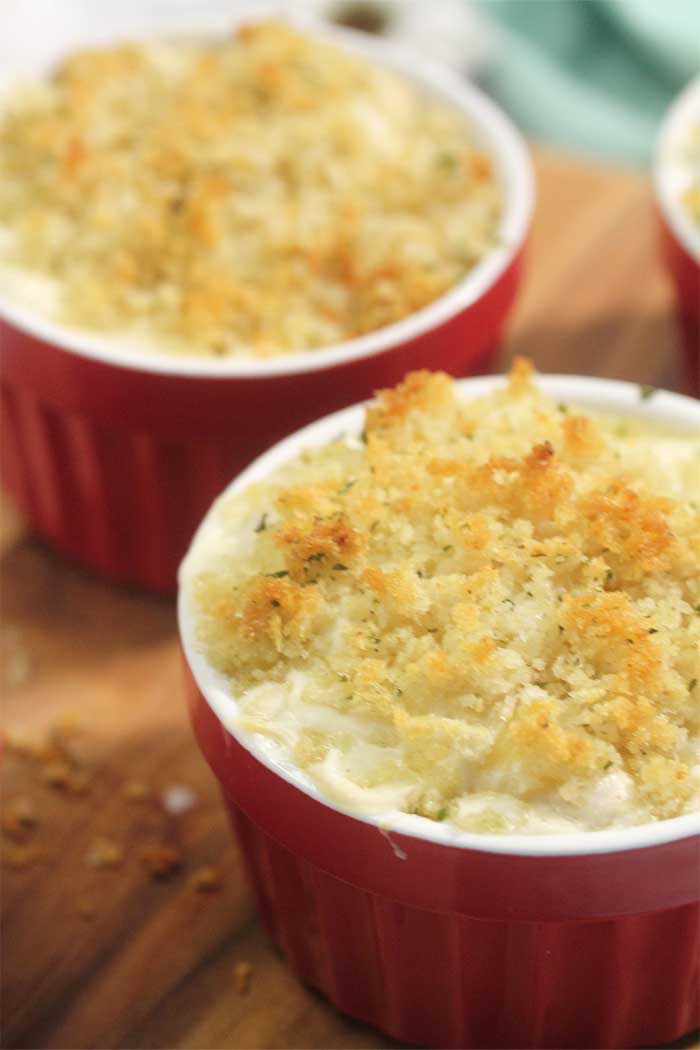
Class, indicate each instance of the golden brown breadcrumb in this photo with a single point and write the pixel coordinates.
(242, 973)
(259, 195)
(19, 818)
(207, 879)
(104, 852)
(490, 608)
(162, 861)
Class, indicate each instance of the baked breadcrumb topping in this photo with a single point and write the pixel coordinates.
(482, 611)
(264, 194)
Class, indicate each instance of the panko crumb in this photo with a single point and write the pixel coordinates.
(53, 753)
(63, 776)
(136, 791)
(56, 774)
(242, 974)
(20, 818)
(162, 861)
(207, 879)
(485, 612)
(104, 852)
(24, 744)
(137, 184)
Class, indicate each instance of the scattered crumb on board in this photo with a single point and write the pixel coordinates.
(136, 791)
(242, 973)
(162, 861)
(19, 818)
(104, 853)
(207, 879)
(55, 762)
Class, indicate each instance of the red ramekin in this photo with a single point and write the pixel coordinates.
(113, 455)
(449, 939)
(679, 238)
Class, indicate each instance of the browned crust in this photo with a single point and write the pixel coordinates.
(557, 528)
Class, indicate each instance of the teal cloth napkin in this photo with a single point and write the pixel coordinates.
(593, 76)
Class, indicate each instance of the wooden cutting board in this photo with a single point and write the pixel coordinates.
(110, 956)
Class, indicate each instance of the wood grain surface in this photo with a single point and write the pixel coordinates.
(109, 956)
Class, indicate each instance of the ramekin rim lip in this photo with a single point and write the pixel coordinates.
(676, 116)
(609, 392)
(508, 148)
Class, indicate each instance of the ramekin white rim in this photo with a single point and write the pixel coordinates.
(508, 150)
(677, 120)
(673, 410)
